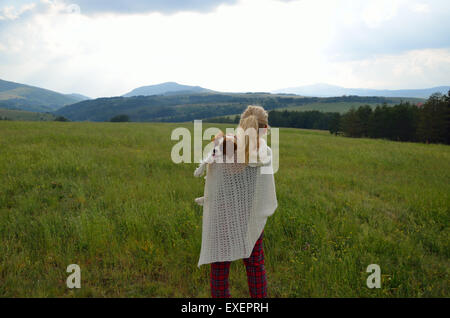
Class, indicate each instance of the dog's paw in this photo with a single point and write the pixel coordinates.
(199, 171)
(200, 201)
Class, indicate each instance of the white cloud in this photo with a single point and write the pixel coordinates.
(363, 29)
(412, 69)
(13, 12)
(421, 8)
(142, 6)
(96, 7)
(378, 11)
(233, 48)
(256, 45)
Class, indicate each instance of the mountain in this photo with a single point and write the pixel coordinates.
(25, 97)
(187, 107)
(325, 90)
(78, 97)
(169, 88)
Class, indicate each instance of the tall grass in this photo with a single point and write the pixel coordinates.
(107, 197)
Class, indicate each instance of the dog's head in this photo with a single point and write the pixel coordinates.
(224, 145)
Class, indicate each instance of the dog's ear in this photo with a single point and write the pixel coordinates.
(230, 143)
(216, 138)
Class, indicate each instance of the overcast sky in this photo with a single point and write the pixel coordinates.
(109, 47)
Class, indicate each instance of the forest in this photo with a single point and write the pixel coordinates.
(188, 107)
(427, 122)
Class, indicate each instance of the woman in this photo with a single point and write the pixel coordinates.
(238, 200)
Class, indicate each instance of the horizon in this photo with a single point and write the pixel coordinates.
(105, 50)
(274, 92)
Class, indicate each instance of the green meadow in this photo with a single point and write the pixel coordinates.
(23, 115)
(338, 107)
(107, 196)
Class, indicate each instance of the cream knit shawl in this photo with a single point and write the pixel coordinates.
(238, 199)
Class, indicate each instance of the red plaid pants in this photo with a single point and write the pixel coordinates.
(256, 274)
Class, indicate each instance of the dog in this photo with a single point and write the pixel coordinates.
(225, 147)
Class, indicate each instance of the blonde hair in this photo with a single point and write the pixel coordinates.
(254, 117)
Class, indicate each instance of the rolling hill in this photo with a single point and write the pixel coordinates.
(30, 98)
(78, 97)
(169, 88)
(187, 107)
(325, 90)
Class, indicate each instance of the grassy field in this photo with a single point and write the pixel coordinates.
(340, 107)
(107, 197)
(22, 115)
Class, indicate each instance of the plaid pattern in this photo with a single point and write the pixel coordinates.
(219, 280)
(256, 274)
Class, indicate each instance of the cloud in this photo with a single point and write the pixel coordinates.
(379, 12)
(421, 7)
(8, 7)
(413, 69)
(372, 27)
(255, 45)
(8, 13)
(90, 7)
(140, 6)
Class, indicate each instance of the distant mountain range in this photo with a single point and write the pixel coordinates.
(78, 97)
(169, 88)
(325, 90)
(25, 97)
(187, 107)
(175, 102)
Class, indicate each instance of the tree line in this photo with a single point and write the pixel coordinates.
(428, 122)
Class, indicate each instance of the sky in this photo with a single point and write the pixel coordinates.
(109, 47)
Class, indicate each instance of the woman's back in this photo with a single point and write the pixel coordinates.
(238, 200)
